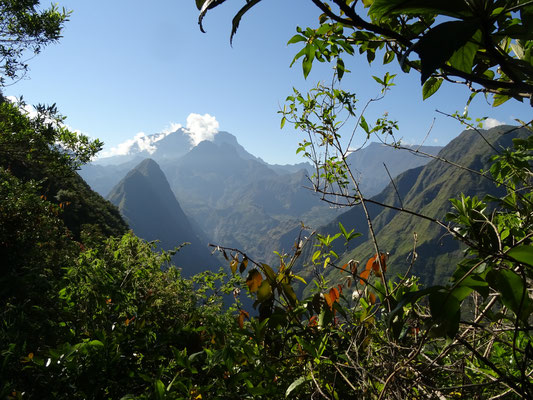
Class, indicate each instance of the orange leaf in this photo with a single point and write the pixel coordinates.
(364, 276)
(370, 263)
(242, 314)
(373, 264)
(344, 267)
(372, 298)
(313, 321)
(340, 288)
(254, 280)
(331, 297)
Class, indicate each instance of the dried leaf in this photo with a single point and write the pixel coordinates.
(353, 267)
(243, 265)
(243, 314)
(254, 280)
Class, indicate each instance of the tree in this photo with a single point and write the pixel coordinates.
(485, 45)
(24, 30)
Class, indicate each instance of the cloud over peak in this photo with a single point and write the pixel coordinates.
(491, 123)
(199, 128)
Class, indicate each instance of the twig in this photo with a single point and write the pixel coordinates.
(394, 185)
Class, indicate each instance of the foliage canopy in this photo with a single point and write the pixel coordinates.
(24, 30)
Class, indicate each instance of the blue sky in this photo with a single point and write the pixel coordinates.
(125, 67)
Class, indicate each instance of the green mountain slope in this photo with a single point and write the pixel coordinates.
(367, 164)
(425, 190)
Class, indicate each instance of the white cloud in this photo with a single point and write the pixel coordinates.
(491, 123)
(140, 142)
(201, 127)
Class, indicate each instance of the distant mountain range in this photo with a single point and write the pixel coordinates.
(231, 197)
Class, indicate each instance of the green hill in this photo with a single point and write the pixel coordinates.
(425, 190)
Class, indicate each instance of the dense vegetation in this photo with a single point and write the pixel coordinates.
(91, 311)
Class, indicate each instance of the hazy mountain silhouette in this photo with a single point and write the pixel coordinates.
(147, 203)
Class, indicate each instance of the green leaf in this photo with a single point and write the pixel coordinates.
(512, 290)
(523, 254)
(430, 87)
(159, 389)
(463, 58)
(294, 385)
(439, 44)
(307, 63)
(296, 39)
(499, 99)
(264, 292)
(445, 310)
(269, 272)
(340, 68)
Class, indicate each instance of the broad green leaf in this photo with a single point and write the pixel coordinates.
(269, 272)
(523, 254)
(264, 292)
(499, 99)
(512, 290)
(159, 389)
(430, 87)
(476, 283)
(294, 385)
(438, 44)
(289, 292)
(463, 58)
(445, 311)
(296, 39)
